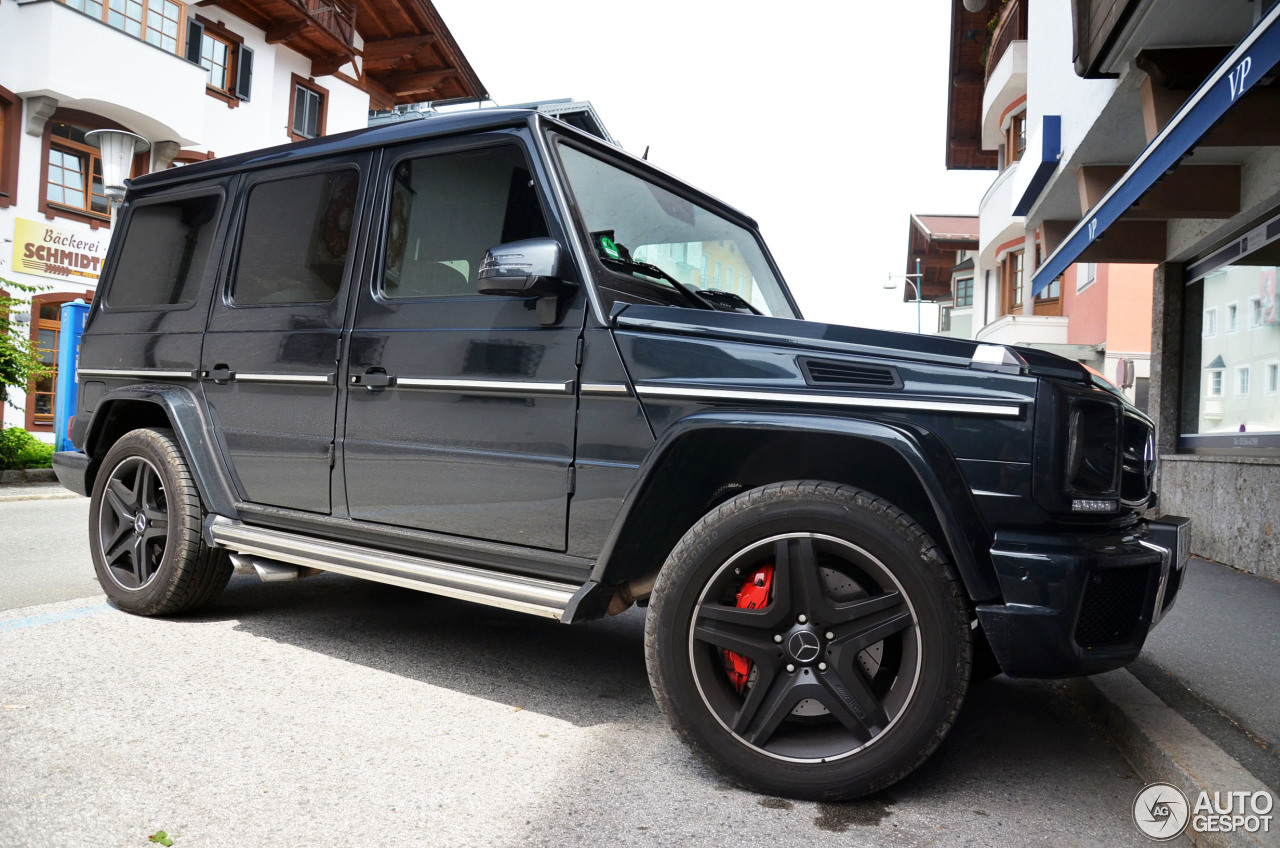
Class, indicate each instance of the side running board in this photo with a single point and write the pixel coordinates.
(509, 591)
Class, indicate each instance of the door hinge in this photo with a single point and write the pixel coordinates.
(332, 454)
(573, 479)
(578, 356)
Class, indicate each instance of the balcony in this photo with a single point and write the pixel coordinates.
(996, 221)
(1006, 86)
(1041, 331)
(60, 55)
(322, 30)
(1010, 26)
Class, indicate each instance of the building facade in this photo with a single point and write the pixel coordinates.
(1000, 77)
(1153, 137)
(194, 80)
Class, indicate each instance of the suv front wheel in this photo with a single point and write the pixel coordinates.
(809, 639)
(144, 529)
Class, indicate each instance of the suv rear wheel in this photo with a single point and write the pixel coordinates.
(809, 639)
(144, 529)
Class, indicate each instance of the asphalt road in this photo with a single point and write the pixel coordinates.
(333, 711)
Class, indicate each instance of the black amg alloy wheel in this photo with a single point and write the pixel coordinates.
(810, 640)
(144, 529)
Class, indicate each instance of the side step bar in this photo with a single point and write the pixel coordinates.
(508, 591)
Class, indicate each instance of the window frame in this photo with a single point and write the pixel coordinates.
(216, 31)
(1012, 276)
(1233, 317)
(1239, 389)
(82, 120)
(1212, 390)
(295, 83)
(180, 39)
(962, 302)
(1015, 138)
(1271, 380)
(1255, 307)
(29, 410)
(10, 145)
(1086, 278)
(1209, 323)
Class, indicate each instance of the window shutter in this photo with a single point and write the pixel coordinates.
(195, 35)
(244, 71)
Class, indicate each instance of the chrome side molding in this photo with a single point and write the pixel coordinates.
(531, 595)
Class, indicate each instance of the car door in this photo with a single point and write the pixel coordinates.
(461, 406)
(270, 357)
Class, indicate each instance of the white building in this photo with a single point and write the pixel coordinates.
(195, 80)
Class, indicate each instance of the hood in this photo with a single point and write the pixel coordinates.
(838, 338)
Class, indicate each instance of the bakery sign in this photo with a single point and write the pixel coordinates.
(54, 252)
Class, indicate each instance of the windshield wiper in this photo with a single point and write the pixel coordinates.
(654, 271)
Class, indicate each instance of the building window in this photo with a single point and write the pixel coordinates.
(216, 57)
(964, 292)
(1086, 275)
(10, 139)
(1272, 386)
(705, 279)
(1214, 389)
(719, 273)
(1233, 318)
(1255, 312)
(158, 22)
(1211, 322)
(1016, 138)
(1242, 381)
(73, 178)
(46, 325)
(1011, 274)
(306, 110)
(944, 318)
(228, 64)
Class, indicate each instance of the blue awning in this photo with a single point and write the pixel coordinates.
(1050, 154)
(1249, 62)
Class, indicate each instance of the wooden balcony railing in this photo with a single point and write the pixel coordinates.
(336, 16)
(1011, 26)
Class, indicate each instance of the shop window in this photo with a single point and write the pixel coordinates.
(46, 330)
(10, 138)
(964, 292)
(158, 22)
(307, 108)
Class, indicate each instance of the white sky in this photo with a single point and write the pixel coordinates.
(826, 122)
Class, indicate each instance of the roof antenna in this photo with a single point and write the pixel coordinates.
(645, 157)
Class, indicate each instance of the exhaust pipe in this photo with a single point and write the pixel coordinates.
(629, 593)
(268, 570)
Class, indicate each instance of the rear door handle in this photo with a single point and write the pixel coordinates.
(219, 373)
(373, 380)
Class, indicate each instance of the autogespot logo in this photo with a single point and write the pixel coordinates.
(1161, 811)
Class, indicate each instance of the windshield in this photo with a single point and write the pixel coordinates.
(633, 223)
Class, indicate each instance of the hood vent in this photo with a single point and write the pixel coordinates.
(826, 372)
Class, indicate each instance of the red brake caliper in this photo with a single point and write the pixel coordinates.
(754, 594)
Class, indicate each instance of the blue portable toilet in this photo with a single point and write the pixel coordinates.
(66, 387)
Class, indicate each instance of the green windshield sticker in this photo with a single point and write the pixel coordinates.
(610, 249)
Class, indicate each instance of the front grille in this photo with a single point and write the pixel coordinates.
(822, 372)
(1112, 606)
(1137, 461)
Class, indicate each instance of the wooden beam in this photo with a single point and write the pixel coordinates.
(396, 48)
(328, 66)
(282, 32)
(1054, 233)
(417, 83)
(1129, 241)
(1190, 191)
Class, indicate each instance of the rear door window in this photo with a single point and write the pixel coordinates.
(165, 252)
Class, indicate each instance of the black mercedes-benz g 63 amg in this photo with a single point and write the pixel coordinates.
(489, 356)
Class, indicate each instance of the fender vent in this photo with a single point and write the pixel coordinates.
(825, 372)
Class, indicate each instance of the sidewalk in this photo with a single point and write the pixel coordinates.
(1200, 708)
(33, 484)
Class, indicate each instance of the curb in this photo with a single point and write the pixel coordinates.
(28, 475)
(1162, 746)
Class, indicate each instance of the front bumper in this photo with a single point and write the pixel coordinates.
(1077, 605)
(72, 469)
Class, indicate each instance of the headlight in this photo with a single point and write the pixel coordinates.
(1093, 447)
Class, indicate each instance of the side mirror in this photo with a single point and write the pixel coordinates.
(527, 268)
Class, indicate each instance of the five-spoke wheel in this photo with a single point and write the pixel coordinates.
(809, 639)
(144, 529)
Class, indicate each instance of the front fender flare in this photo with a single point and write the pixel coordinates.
(933, 465)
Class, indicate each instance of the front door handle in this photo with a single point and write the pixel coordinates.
(219, 373)
(372, 379)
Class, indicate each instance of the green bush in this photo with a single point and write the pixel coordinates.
(20, 449)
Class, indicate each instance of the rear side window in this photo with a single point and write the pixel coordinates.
(165, 252)
(294, 243)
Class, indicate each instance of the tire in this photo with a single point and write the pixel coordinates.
(145, 529)
(859, 661)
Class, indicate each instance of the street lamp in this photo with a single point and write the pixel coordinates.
(913, 280)
(118, 149)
